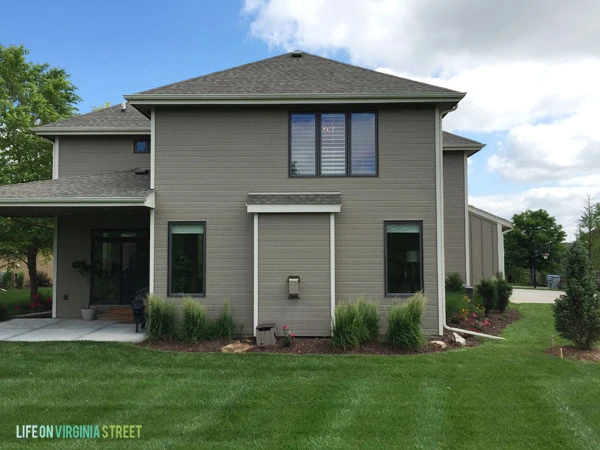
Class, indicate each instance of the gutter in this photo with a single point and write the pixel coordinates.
(473, 333)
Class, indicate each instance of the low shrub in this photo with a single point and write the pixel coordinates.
(456, 301)
(367, 311)
(161, 321)
(8, 280)
(44, 279)
(348, 329)
(224, 326)
(404, 323)
(487, 289)
(20, 280)
(4, 313)
(454, 283)
(503, 293)
(193, 326)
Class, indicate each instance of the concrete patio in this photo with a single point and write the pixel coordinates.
(39, 330)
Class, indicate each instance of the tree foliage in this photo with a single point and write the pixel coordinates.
(588, 223)
(30, 95)
(577, 312)
(532, 229)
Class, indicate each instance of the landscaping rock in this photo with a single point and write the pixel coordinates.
(459, 339)
(236, 347)
(439, 344)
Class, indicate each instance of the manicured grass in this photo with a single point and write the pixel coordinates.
(502, 395)
(16, 297)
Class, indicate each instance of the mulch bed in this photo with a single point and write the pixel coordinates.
(499, 321)
(571, 352)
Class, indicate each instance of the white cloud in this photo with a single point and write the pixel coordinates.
(564, 203)
(530, 70)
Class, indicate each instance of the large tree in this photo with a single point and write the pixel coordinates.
(30, 95)
(534, 232)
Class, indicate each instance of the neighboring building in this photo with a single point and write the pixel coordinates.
(487, 244)
(295, 173)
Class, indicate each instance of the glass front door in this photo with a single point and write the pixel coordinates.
(121, 265)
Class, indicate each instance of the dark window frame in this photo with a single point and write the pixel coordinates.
(385, 258)
(348, 139)
(145, 139)
(169, 261)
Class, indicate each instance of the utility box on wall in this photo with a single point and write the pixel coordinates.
(293, 286)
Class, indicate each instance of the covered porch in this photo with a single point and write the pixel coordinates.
(103, 223)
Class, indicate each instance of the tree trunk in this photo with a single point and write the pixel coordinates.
(32, 253)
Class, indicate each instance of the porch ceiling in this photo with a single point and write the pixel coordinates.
(124, 189)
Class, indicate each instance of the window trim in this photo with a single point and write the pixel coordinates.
(169, 254)
(419, 223)
(145, 139)
(348, 139)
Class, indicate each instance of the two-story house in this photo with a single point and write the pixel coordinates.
(287, 185)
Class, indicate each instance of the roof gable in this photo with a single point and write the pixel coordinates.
(297, 73)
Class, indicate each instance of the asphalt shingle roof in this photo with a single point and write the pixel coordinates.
(111, 117)
(308, 74)
(454, 140)
(123, 184)
(302, 198)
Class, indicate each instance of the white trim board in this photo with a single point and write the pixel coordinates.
(55, 157)
(255, 307)
(281, 209)
(332, 266)
(439, 195)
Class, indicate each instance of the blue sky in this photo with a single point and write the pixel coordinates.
(532, 92)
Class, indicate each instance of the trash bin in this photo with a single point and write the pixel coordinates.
(265, 334)
(553, 281)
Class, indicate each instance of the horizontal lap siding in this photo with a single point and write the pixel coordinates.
(454, 213)
(484, 248)
(207, 160)
(295, 244)
(88, 155)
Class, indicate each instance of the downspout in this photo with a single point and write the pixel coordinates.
(442, 271)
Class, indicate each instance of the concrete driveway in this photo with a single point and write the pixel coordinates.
(534, 296)
(38, 330)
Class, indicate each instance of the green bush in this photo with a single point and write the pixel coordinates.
(4, 313)
(369, 315)
(161, 321)
(8, 280)
(44, 279)
(503, 293)
(20, 280)
(455, 302)
(404, 323)
(454, 283)
(193, 326)
(348, 330)
(488, 292)
(224, 326)
(577, 312)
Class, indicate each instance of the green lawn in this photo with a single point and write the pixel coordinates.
(502, 395)
(16, 297)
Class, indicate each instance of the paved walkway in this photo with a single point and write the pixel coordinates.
(37, 330)
(534, 296)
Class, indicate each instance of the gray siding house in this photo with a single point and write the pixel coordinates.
(287, 185)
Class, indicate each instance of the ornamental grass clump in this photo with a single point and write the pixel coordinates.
(193, 326)
(348, 329)
(404, 323)
(367, 311)
(224, 326)
(161, 321)
(577, 312)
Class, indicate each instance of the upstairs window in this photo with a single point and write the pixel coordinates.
(141, 145)
(333, 144)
